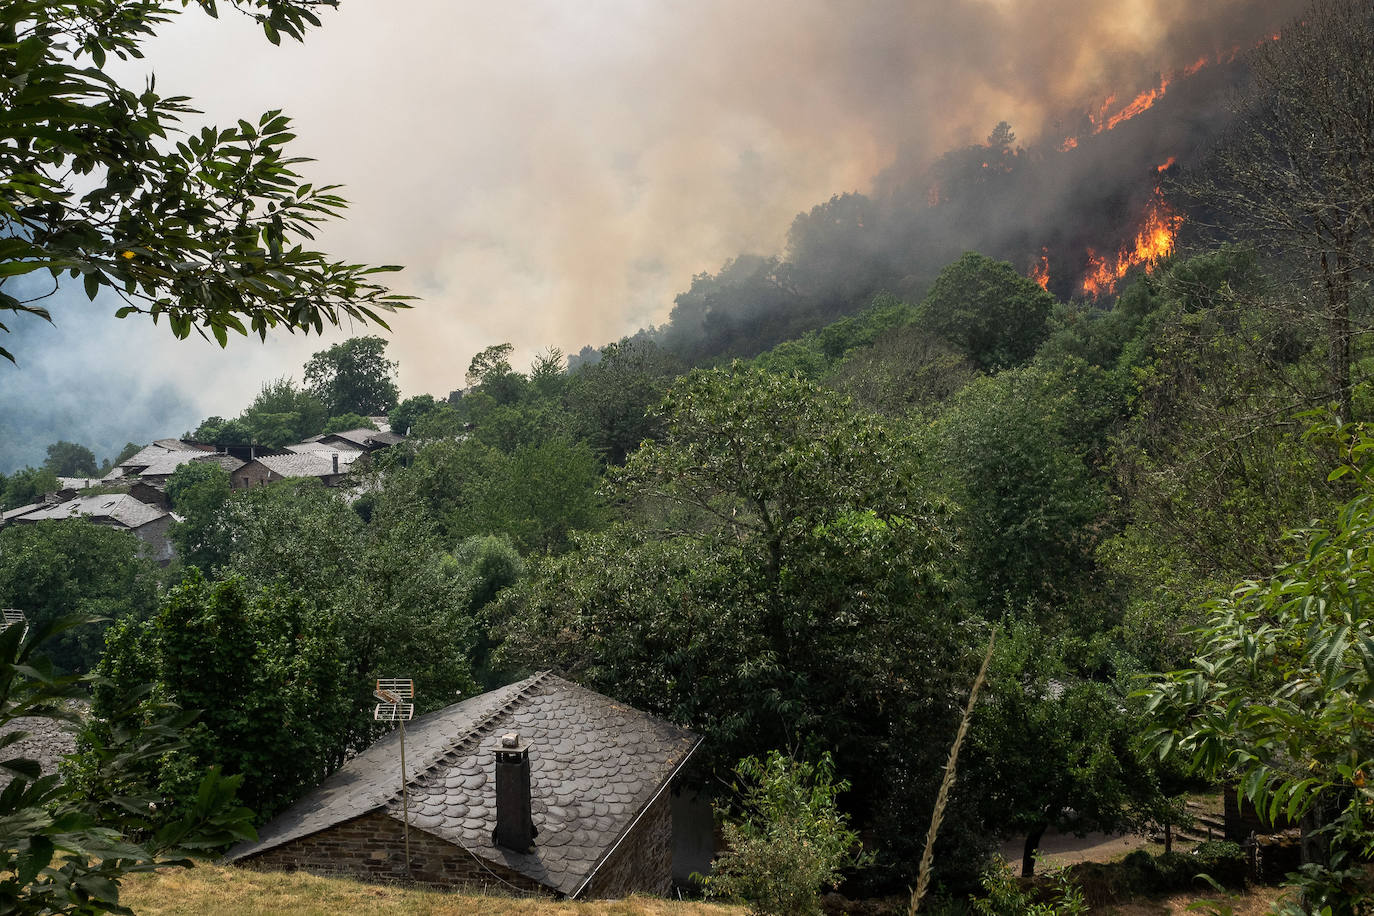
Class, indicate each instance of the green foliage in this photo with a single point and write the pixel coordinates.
(1005, 896)
(782, 583)
(396, 599)
(537, 495)
(1052, 748)
(612, 401)
(53, 569)
(406, 414)
(1278, 694)
(28, 486)
(268, 673)
(988, 311)
(344, 422)
(353, 377)
(67, 459)
(1028, 504)
(202, 229)
(197, 490)
(64, 848)
(788, 841)
(816, 353)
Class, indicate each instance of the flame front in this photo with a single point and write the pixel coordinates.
(1040, 270)
(1164, 167)
(1153, 241)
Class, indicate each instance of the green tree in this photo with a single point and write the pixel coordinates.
(353, 377)
(1027, 504)
(344, 422)
(281, 414)
(197, 490)
(203, 229)
(53, 569)
(406, 414)
(268, 673)
(28, 486)
(67, 459)
(1055, 749)
(612, 401)
(539, 495)
(788, 841)
(988, 311)
(1299, 190)
(783, 583)
(399, 601)
(66, 843)
(1278, 696)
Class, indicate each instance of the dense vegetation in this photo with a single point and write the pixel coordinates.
(801, 537)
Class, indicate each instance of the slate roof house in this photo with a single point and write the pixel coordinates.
(148, 521)
(541, 787)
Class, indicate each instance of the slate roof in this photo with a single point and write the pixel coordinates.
(595, 765)
(157, 450)
(307, 464)
(364, 438)
(318, 445)
(117, 507)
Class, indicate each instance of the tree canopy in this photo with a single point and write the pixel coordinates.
(99, 183)
(353, 377)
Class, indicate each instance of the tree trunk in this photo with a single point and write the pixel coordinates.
(1168, 838)
(1032, 844)
(1337, 282)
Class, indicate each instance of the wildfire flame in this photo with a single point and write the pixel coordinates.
(1040, 270)
(1103, 119)
(1166, 165)
(1153, 241)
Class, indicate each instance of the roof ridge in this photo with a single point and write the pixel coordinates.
(479, 727)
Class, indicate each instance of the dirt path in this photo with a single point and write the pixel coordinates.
(1060, 849)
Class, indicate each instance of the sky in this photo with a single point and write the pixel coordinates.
(553, 173)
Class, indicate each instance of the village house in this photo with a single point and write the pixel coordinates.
(148, 521)
(542, 787)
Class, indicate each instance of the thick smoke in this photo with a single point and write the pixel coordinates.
(555, 173)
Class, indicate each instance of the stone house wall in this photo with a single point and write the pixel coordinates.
(372, 847)
(643, 862)
(252, 474)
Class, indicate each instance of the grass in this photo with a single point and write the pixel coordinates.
(209, 890)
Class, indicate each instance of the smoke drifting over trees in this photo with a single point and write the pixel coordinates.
(555, 174)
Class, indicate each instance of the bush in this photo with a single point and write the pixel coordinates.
(1007, 896)
(791, 841)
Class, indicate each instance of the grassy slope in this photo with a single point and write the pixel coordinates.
(209, 890)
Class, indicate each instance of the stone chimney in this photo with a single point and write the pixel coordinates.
(514, 821)
(336, 462)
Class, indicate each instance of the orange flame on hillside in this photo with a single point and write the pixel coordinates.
(1153, 241)
(1102, 119)
(1040, 270)
(1167, 165)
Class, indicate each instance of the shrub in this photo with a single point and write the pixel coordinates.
(791, 840)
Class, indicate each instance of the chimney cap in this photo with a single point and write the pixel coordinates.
(512, 743)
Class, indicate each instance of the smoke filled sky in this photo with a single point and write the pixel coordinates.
(553, 173)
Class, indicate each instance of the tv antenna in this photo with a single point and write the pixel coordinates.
(393, 692)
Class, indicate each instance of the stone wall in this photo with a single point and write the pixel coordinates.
(372, 847)
(643, 862)
(252, 474)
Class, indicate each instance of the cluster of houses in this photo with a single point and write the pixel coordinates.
(133, 495)
(540, 788)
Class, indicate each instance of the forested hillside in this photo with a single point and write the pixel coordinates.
(793, 518)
